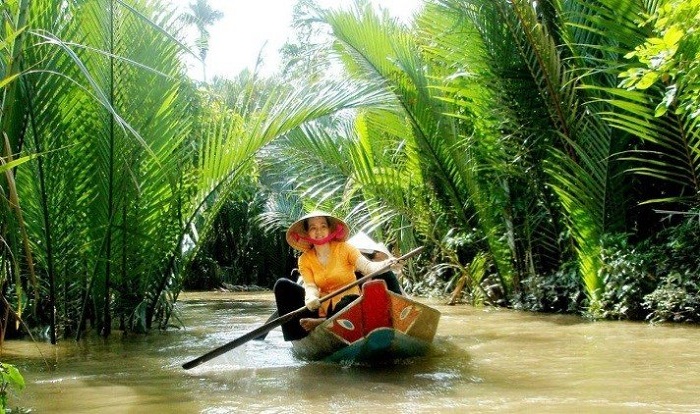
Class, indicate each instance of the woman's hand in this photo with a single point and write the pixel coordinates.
(313, 304)
(311, 296)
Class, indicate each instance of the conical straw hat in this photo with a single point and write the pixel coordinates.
(296, 231)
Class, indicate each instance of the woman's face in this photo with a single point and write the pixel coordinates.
(318, 227)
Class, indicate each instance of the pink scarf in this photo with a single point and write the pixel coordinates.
(338, 234)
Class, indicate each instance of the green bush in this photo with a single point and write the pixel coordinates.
(675, 300)
(10, 380)
(657, 279)
(203, 273)
(628, 275)
(559, 292)
(677, 297)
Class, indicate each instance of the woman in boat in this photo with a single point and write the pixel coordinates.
(377, 252)
(327, 263)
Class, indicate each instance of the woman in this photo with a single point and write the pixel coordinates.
(377, 252)
(327, 263)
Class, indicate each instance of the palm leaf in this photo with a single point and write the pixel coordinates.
(381, 50)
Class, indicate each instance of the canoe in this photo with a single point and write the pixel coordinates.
(379, 326)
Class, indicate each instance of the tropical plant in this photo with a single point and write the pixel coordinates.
(97, 182)
(202, 15)
(10, 380)
(505, 132)
(123, 181)
(665, 68)
(14, 241)
(304, 58)
(394, 155)
(239, 251)
(677, 265)
(549, 70)
(494, 131)
(500, 140)
(670, 57)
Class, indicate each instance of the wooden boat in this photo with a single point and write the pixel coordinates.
(379, 326)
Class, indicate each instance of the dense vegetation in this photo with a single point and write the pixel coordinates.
(547, 153)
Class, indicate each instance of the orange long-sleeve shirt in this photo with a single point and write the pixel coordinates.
(337, 273)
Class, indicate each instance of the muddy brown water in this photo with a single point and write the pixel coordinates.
(484, 360)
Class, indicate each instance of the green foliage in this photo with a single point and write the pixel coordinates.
(657, 279)
(503, 133)
(431, 274)
(202, 273)
(135, 160)
(670, 58)
(240, 251)
(677, 296)
(11, 380)
(490, 130)
(677, 299)
(661, 77)
(559, 292)
(109, 176)
(201, 15)
(628, 277)
(678, 245)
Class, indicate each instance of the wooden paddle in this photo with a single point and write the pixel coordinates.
(272, 317)
(287, 317)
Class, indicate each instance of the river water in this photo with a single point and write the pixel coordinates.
(484, 360)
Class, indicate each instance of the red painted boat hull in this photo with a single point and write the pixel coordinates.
(379, 326)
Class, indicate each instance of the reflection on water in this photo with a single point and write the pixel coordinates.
(483, 360)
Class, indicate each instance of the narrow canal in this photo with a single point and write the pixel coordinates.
(484, 360)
